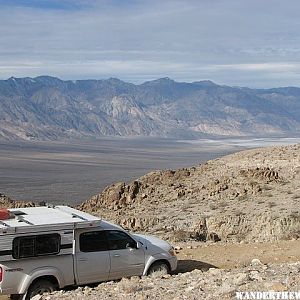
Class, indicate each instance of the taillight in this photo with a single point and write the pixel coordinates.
(4, 214)
(1, 274)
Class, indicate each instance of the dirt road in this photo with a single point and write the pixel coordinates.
(225, 255)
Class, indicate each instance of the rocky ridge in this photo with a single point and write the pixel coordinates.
(6, 202)
(252, 195)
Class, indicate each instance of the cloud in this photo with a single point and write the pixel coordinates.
(234, 42)
(273, 67)
(47, 4)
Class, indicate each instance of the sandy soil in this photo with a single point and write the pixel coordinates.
(227, 256)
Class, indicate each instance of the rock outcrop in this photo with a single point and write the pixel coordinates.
(250, 195)
(6, 202)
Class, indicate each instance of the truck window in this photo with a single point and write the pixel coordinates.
(119, 240)
(93, 241)
(37, 245)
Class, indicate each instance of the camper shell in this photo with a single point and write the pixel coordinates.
(18, 271)
(41, 220)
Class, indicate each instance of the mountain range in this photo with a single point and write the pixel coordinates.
(47, 108)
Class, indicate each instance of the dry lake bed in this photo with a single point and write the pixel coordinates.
(70, 172)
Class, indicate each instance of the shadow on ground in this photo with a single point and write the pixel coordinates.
(188, 265)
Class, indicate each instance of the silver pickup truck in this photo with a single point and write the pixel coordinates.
(46, 248)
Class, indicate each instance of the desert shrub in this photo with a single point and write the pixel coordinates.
(295, 214)
(292, 235)
(271, 204)
(181, 235)
(213, 206)
(239, 213)
(223, 204)
(243, 197)
(129, 286)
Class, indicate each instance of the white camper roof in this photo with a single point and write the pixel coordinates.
(46, 218)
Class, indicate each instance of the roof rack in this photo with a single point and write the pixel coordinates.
(80, 217)
(22, 219)
(43, 218)
(4, 224)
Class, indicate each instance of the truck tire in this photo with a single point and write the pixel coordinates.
(16, 297)
(159, 267)
(39, 287)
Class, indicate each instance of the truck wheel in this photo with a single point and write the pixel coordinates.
(39, 287)
(160, 268)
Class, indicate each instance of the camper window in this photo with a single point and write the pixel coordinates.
(37, 245)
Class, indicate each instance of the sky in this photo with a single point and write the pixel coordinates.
(254, 43)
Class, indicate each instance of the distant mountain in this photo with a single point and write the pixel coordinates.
(47, 108)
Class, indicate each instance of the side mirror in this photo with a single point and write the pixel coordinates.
(132, 245)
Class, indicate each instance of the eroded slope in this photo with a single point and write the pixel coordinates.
(250, 195)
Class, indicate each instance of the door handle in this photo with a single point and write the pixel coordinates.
(116, 255)
(82, 259)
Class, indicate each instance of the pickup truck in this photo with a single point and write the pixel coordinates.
(47, 248)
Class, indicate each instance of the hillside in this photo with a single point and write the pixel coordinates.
(47, 108)
(247, 202)
(251, 195)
